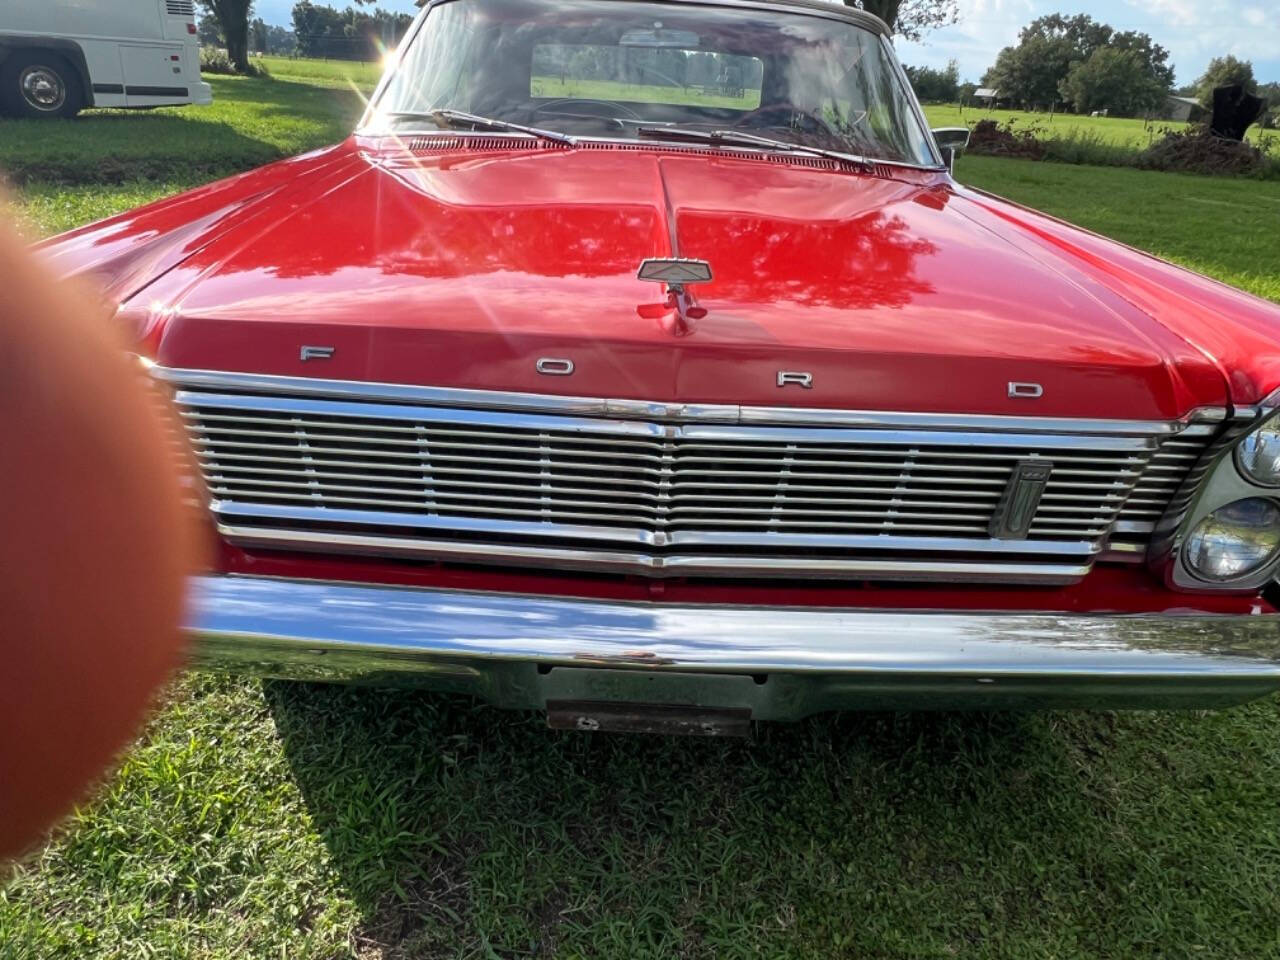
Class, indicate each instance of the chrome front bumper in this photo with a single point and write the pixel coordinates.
(524, 652)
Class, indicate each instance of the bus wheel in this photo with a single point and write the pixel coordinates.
(34, 83)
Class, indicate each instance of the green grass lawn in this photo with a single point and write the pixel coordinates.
(279, 820)
(640, 93)
(340, 73)
(1121, 131)
(251, 122)
(1118, 130)
(1226, 228)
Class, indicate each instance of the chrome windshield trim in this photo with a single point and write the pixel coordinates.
(673, 412)
(917, 111)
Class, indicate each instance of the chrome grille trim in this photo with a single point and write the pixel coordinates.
(650, 410)
(1169, 469)
(1166, 537)
(695, 491)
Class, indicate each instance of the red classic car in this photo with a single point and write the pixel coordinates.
(641, 361)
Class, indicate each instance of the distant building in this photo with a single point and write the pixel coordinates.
(987, 96)
(1181, 108)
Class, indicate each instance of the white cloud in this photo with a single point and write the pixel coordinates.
(1177, 13)
(1200, 31)
(984, 27)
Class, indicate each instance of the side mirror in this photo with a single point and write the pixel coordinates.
(950, 141)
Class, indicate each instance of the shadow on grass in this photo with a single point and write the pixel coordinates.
(249, 125)
(461, 826)
(114, 148)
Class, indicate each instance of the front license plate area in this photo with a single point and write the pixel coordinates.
(660, 718)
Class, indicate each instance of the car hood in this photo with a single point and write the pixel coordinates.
(463, 267)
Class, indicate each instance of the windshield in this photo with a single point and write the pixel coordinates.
(621, 69)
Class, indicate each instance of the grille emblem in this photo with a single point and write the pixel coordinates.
(1017, 506)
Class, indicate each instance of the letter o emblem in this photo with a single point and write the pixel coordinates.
(555, 366)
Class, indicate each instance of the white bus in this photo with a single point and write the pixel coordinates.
(59, 56)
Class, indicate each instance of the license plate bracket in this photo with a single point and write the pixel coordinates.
(667, 719)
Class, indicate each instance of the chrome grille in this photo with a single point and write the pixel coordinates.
(897, 498)
(1156, 488)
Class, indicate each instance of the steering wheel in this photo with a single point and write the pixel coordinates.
(811, 123)
(611, 107)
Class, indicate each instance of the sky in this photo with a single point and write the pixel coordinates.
(1193, 31)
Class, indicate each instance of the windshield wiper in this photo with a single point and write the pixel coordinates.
(738, 138)
(459, 118)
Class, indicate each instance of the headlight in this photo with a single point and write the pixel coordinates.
(1259, 454)
(1234, 540)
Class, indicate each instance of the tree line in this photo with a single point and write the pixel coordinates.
(318, 31)
(1060, 62)
(1081, 65)
(348, 34)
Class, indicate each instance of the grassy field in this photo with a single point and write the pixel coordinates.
(250, 122)
(338, 73)
(640, 93)
(1221, 227)
(279, 820)
(1120, 131)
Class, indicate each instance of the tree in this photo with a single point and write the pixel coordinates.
(232, 17)
(1271, 93)
(911, 19)
(1155, 58)
(350, 34)
(1030, 73)
(209, 33)
(1035, 72)
(936, 86)
(233, 23)
(1115, 80)
(1081, 32)
(280, 40)
(258, 36)
(1224, 72)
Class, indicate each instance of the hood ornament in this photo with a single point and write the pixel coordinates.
(675, 272)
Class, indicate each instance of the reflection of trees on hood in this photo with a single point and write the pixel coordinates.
(862, 262)
(583, 241)
(863, 257)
